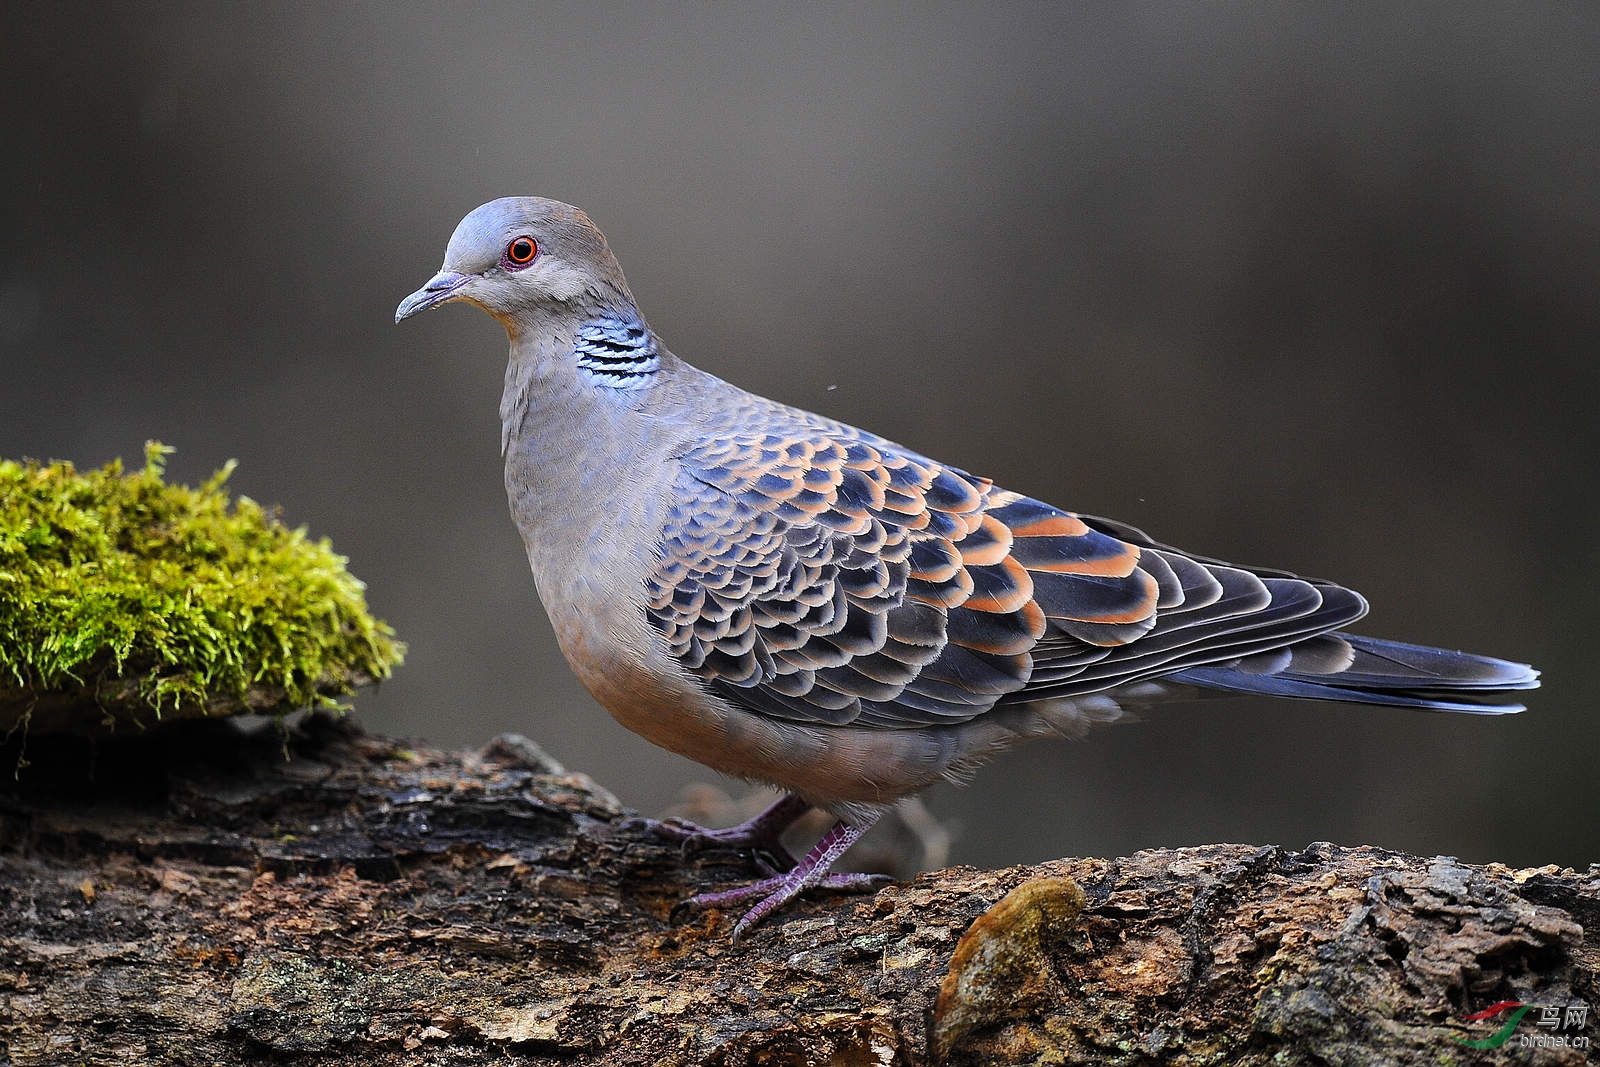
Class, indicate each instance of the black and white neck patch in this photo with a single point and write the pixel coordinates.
(617, 352)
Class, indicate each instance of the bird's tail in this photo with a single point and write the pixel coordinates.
(1367, 670)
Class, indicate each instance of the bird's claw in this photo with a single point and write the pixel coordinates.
(774, 892)
(759, 838)
(671, 829)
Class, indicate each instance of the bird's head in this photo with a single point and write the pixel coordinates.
(523, 259)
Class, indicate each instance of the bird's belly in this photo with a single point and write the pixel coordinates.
(835, 767)
(593, 592)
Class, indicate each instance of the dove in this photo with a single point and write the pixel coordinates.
(790, 600)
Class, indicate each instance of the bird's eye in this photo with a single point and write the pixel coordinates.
(519, 253)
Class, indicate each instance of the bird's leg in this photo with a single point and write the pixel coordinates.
(812, 872)
(762, 833)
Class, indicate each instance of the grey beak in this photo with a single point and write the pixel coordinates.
(440, 287)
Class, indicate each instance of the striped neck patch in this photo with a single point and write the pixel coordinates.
(617, 352)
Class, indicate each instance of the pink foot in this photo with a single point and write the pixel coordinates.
(762, 834)
(812, 872)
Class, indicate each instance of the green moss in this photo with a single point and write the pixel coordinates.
(124, 600)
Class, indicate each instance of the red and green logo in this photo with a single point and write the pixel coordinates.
(1502, 1035)
(1550, 1025)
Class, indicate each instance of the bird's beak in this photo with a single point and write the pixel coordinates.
(440, 287)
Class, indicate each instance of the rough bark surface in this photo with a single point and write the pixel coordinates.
(208, 896)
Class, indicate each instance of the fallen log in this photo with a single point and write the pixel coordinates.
(212, 894)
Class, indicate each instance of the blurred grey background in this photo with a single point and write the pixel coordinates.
(1303, 286)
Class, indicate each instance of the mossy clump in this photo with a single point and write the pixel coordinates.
(125, 600)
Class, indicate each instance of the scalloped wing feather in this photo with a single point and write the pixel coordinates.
(828, 576)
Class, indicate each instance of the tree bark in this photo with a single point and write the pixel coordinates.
(208, 895)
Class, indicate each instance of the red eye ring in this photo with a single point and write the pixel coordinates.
(519, 253)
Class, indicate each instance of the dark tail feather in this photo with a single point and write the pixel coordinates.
(1367, 670)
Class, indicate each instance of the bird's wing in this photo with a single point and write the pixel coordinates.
(828, 576)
